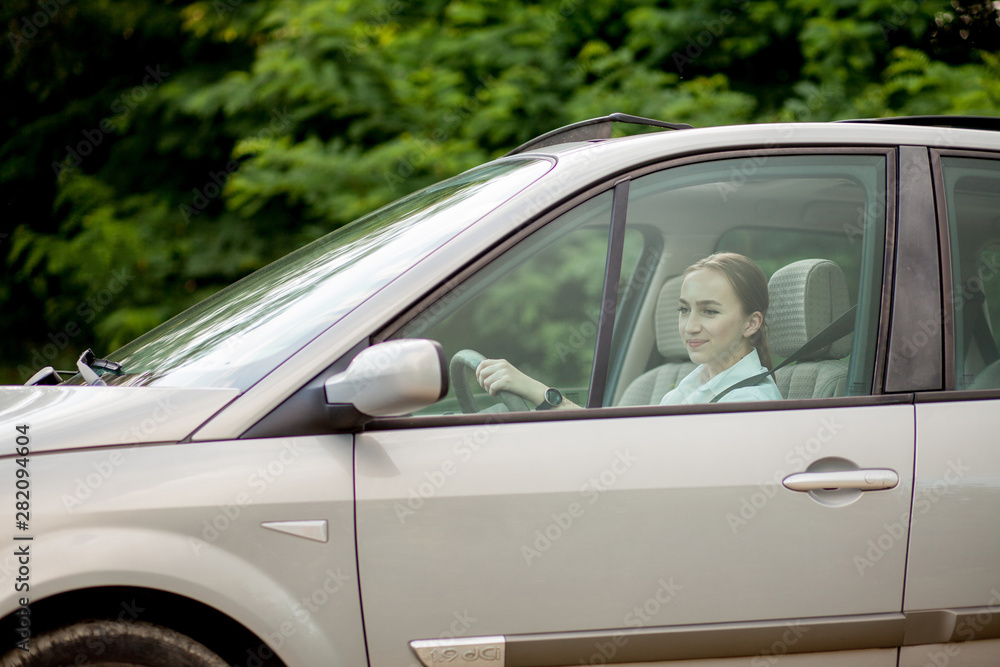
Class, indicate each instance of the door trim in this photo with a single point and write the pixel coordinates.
(685, 642)
(718, 640)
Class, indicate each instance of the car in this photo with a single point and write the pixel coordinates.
(304, 470)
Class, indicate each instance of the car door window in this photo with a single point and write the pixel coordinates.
(537, 305)
(815, 226)
(813, 223)
(972, 198)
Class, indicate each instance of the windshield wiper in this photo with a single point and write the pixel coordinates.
(47, 375)
(87, 364)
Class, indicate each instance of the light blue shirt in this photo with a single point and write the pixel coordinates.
(692, 390)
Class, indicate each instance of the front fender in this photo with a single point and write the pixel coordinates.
(186, 519)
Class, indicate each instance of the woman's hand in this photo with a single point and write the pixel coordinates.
(500, 375)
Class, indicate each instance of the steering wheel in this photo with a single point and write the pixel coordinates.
(462, 367)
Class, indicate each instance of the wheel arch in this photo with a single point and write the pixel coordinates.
(78, 566)
(220, 633)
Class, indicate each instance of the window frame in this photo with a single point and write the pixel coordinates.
(630, 304)
(949, 391)
(602, 358)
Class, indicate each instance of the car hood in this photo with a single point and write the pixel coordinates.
(71, 417)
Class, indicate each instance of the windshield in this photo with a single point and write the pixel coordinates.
(237, 336)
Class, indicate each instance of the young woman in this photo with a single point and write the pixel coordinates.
(721, 314)
(721, 320)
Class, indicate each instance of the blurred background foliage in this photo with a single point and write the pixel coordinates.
(155, 151)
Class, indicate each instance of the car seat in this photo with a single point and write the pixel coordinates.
(651, 386)
(806, 296)
(980, 336)
(972, 318)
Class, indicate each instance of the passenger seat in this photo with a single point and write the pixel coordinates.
(806, 296)
(651, 386)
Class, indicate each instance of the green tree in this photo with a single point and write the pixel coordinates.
(154, 152)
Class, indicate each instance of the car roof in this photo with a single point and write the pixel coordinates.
(635, 149)
(599, 130)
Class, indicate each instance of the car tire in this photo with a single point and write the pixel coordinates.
(113, 643)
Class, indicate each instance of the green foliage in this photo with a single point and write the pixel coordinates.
(167, 149)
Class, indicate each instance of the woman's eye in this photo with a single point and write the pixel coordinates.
(683, 310)
(710, 312)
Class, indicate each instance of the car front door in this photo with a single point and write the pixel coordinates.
(651, 533)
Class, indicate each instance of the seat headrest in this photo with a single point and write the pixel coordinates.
(668, 337)
(806, 296)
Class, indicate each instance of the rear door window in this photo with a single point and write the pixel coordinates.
(972, 200)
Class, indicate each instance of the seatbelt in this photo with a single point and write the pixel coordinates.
(833, 332)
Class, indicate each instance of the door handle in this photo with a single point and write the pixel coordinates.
(874, 479)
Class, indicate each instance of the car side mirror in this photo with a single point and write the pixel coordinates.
(389, 379)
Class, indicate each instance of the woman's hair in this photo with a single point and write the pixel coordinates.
(750, 285)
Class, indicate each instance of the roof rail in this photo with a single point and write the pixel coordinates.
(595, 128)
(963, 122)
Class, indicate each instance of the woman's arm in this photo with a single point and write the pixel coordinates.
(500, 375)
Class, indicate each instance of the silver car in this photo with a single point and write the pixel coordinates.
(305, 469)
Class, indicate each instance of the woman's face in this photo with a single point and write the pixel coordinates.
(712, 323)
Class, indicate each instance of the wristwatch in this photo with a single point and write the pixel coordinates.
(553, 398)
